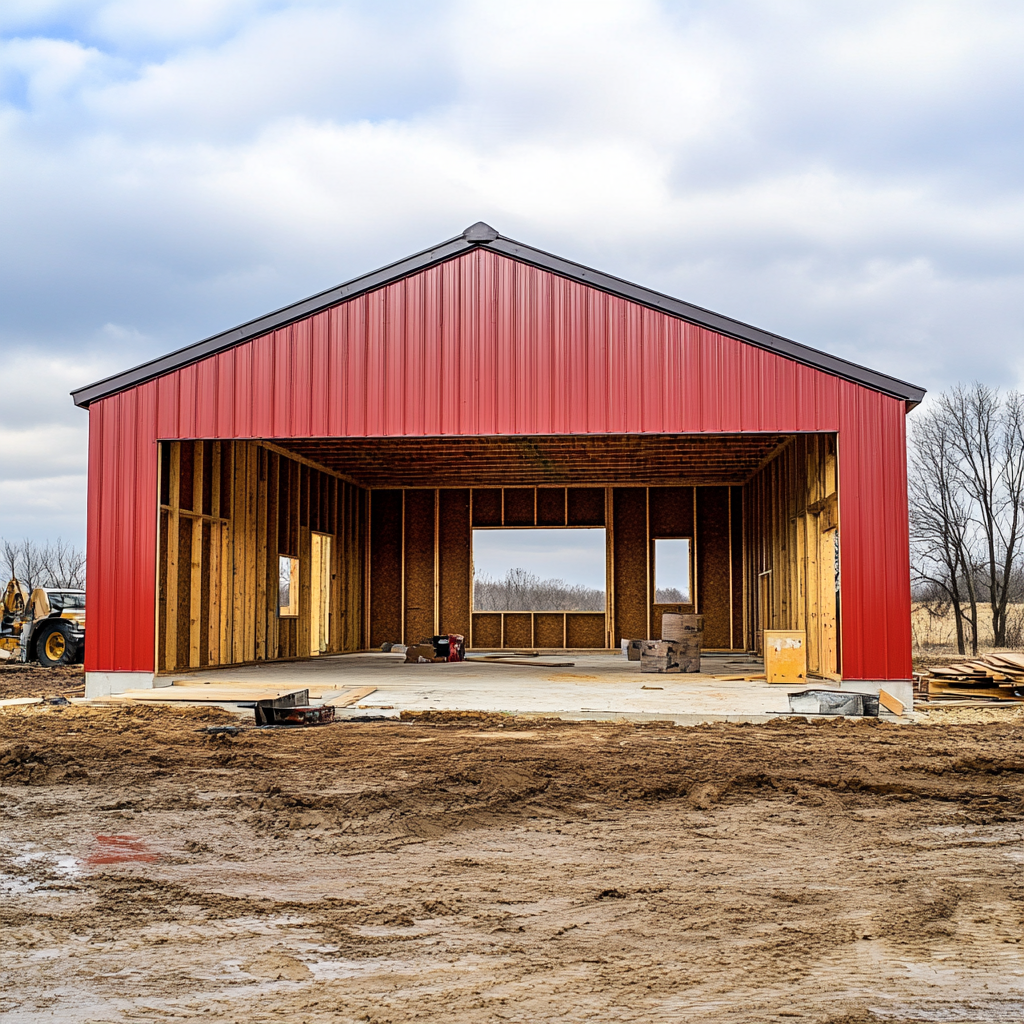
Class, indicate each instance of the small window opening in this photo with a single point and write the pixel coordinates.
(672, 570)
(288, 587)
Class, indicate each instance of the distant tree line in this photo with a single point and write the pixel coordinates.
(52, 564)
(522, 591)
(966, 481)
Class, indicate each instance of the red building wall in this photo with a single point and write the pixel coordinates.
(520, 351)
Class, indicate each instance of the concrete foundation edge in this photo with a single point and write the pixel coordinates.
(102, 684)
(901, 689)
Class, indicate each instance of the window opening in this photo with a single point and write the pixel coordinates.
(288, 587)
(539, 570)
(672, 570)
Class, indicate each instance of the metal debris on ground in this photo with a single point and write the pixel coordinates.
(833, 702)
(267, 714)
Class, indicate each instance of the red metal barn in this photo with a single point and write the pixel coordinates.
(353, 441)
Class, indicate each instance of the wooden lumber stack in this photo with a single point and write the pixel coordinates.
(995, 677)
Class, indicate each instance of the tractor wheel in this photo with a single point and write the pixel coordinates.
(55, 645)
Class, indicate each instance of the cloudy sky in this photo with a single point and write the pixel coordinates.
(848, 174)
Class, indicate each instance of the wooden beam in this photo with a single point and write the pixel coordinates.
(170, 652)
(195, 600)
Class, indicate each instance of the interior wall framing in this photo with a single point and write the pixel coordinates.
(228, 510)
(791, 539)
(421, 562)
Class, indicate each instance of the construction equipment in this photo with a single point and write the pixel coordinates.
(46, 625)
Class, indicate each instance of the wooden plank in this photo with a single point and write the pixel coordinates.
(214, 599)
(828, 661)
(785, 656)
(170, 653)
(238, 513)
(343, 700)
(195, 600)
(889, 702)
(272, 598)
(236, 692)
(260, 608)
(478, 660)
(251, 497)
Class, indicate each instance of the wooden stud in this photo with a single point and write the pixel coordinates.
(195, 598)
(170, 659)
(694, 559)
(437, 561)
(402, 570)
(647, 537)
(609, 568)
(261, 609)
(732, 641)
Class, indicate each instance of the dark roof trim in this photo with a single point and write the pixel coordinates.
(483, 234)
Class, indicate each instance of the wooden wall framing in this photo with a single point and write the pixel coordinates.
(791, 516)
(420, 562)
(401, 559)
(228, 509)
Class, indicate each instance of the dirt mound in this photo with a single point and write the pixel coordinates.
(472, 867)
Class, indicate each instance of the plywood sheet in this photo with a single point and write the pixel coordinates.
(519, 510)
(518, 629)
(586, 506)
(549, 628)
(419, 565)
(630, 574)
(486, 629)
(385, 567)
(713, 526)
(454, 558)
(585, 629)
(551, 503)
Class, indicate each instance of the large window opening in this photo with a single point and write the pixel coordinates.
(672, 570)
(537, 570)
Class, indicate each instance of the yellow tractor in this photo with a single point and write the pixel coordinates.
(46, 625)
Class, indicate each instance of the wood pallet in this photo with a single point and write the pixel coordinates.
(996, 677)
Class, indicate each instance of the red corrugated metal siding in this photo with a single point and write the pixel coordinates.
(519, 351)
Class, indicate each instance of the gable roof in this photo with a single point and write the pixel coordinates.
(481, 234)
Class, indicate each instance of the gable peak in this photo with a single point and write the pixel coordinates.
(480, 232)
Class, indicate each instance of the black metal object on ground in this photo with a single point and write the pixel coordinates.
(834, 702)
(267, 713)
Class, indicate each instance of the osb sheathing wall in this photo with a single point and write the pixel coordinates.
(420, 575)
(792, 535)
(228, 510)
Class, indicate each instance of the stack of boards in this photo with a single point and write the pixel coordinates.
(992, 677)
(231, 693)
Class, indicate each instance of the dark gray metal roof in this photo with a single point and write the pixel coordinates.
(481, 234)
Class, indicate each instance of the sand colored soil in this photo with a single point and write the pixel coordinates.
(472, 869)
(18, 680)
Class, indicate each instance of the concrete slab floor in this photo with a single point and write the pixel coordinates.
(596, 686)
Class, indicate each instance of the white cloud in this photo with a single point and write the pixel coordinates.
(847, 174)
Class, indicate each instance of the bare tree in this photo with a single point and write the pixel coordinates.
(64, 565)
(967, 503)
(988, 435)
(522, 591)
(940, 521)
(57, 564)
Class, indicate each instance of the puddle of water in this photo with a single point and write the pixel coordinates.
(16, 885)
(120, 850)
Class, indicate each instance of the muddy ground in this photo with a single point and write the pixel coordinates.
(496, 870)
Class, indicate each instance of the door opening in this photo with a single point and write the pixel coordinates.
(320, 594)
